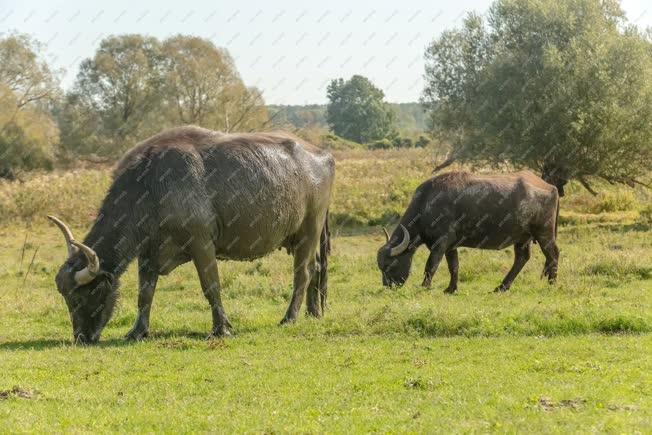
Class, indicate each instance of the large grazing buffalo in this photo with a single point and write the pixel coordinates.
(191, 194)
(477, 211)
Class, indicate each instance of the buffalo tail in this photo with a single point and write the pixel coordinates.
(324, 252)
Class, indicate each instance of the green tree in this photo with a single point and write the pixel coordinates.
(203, 87)
(114, 96)
(135, 86)
(357, 110)
(28, 88)
(561, 87)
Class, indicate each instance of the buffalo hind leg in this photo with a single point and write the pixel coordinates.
(304, 269)
(318, 289)
(453, 269)
(324, 252)
(147, 278)
(521, 256)
(313, 296)
(203, 256)
(551, 251)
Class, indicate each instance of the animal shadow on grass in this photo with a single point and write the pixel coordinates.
(49, 343)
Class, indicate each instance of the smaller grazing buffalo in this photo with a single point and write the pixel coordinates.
(476, 211)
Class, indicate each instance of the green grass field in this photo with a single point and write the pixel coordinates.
(573, 357)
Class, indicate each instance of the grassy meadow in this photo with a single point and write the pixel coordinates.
(573, 357)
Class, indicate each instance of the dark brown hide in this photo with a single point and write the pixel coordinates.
(476, 211)
(191, 194)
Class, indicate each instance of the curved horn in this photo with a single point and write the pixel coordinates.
(67, 234)
(386, 234)
(401, 247)
(88, 273)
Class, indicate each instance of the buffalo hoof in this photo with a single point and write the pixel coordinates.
(81, 339)
(501, 289)
(287, 321)
(550, 273)
(450, 290)
(220, 332)
(314, 310)
(137, 334)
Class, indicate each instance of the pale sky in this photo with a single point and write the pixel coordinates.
(289, 49)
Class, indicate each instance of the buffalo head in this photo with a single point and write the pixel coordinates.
(395, 258)
(556, 175)
(90, 293)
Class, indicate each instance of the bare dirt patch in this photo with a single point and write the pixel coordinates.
(547, 404)
(18, 392)
(627, 408)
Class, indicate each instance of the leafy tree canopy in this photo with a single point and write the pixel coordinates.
(562, 87)
(27, 90)
(357, 111)
(135, 85)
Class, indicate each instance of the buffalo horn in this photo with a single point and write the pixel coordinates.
(401, 247)
(386, 234)
(67, 234)
(88, 273)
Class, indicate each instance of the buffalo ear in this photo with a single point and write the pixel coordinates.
(109, 277)
(105, 284)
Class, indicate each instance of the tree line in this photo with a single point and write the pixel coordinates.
(563, 88)
(410, 117)
(349, 121)
(132, 87)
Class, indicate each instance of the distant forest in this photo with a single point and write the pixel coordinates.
(410, 117)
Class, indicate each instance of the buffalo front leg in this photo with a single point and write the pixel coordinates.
(203, 256)
(453, 269)
(436, 254)
(521, 256)
(147, 278)
(304, 270)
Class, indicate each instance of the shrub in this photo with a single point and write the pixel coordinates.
(609, 199)
(422, 142)
(382, 144)
(395, 141)
(615, 201)
(334, 142)
(402, 142)
(72, 196)
(645, 215)
(26, 145)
